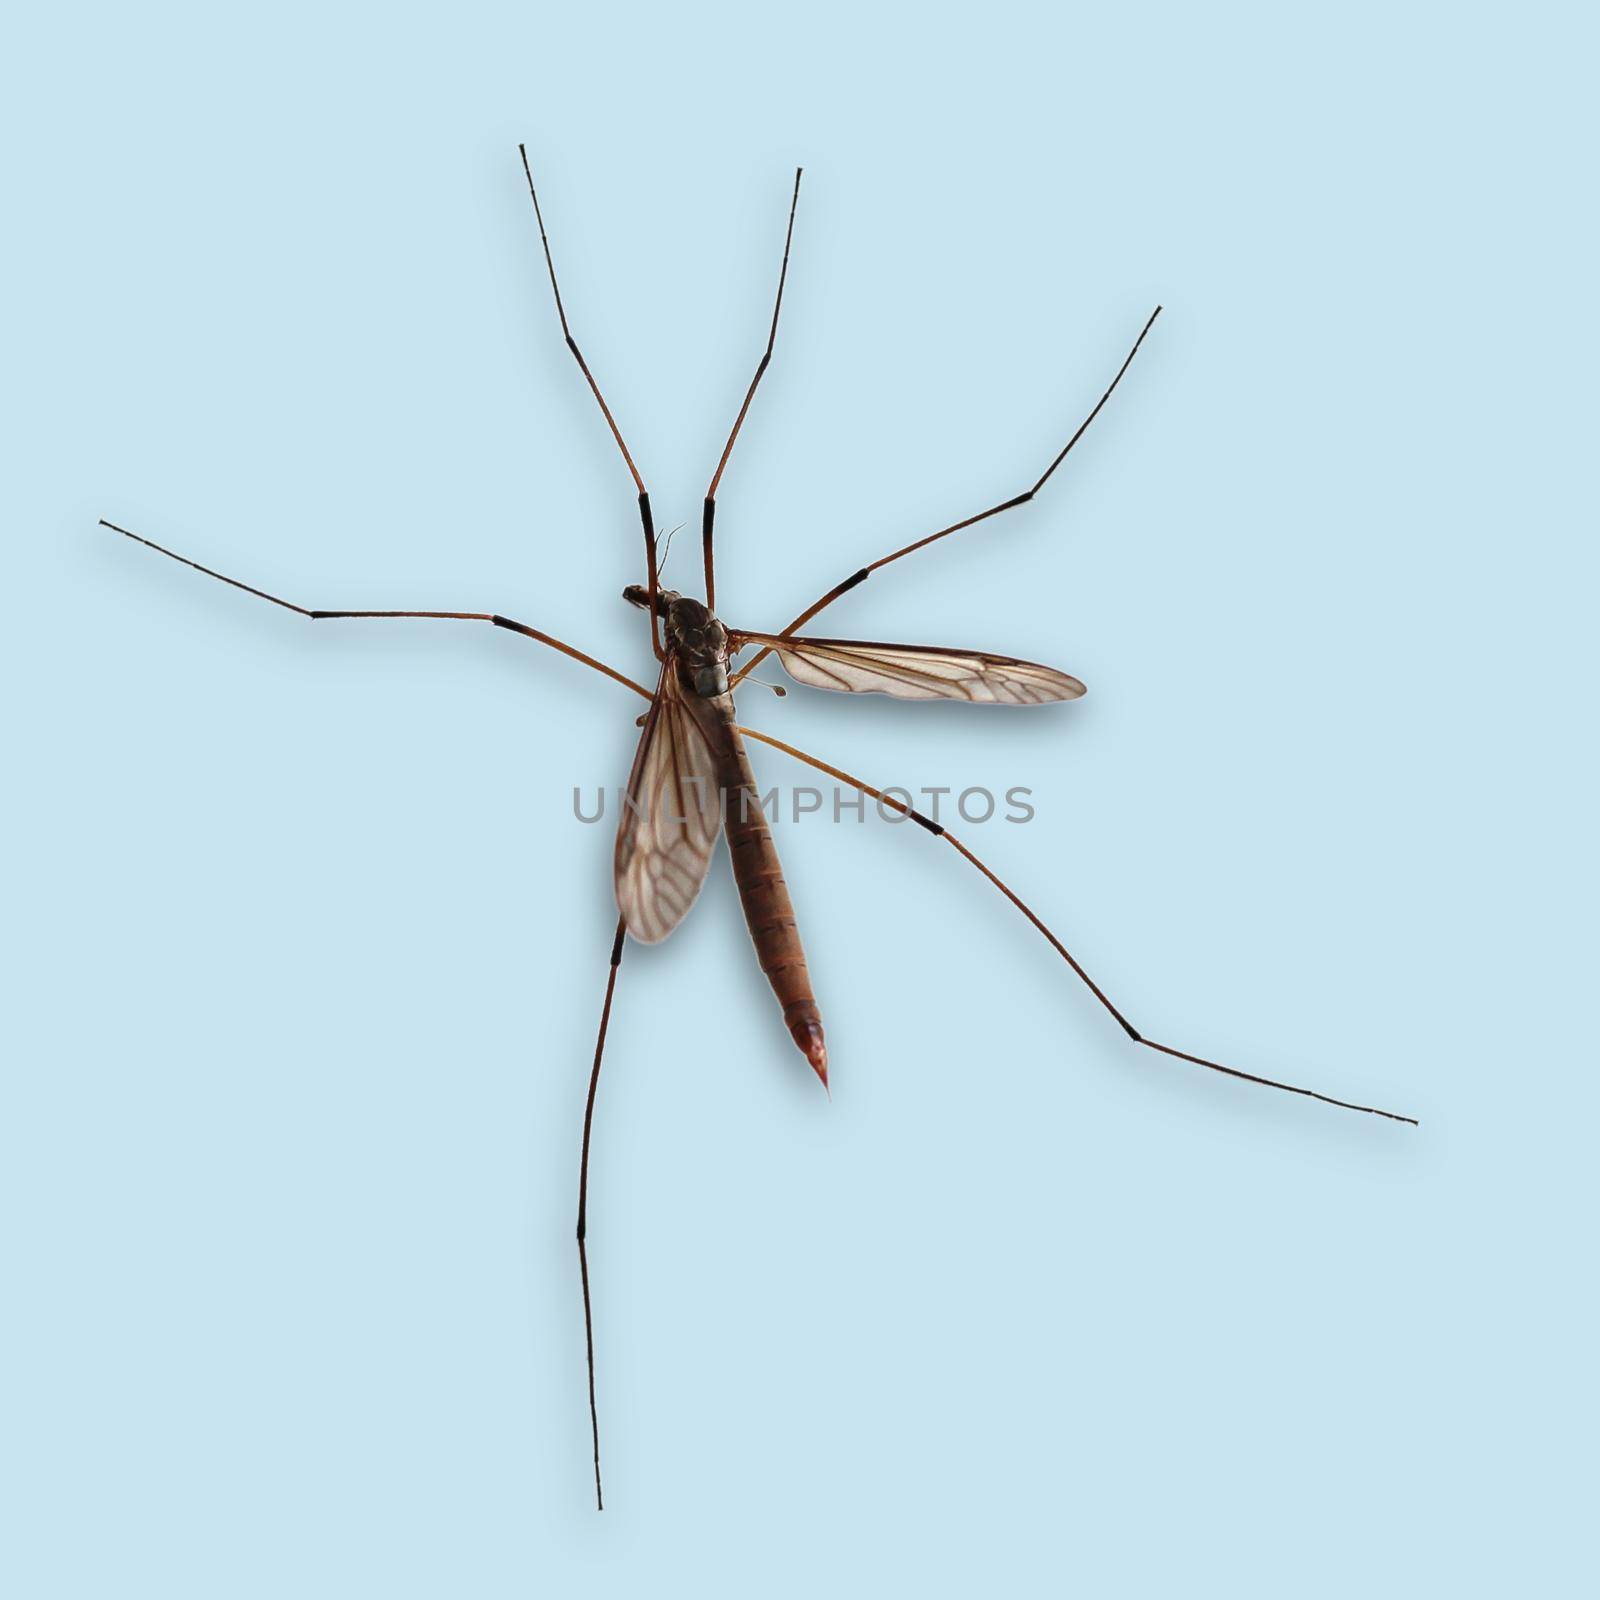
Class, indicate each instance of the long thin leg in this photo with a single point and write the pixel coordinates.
(651, 567)
(1060, 949)
(616, 948)
(861, 576)
(445, 616)
(583, 1203)
(738, 423)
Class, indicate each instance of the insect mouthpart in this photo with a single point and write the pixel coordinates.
(637, 595)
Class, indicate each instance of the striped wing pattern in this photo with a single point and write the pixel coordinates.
(918, 672)
(670, 819)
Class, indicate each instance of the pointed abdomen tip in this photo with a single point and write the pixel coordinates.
(808, 1036)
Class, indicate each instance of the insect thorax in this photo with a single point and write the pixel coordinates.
(694, 636)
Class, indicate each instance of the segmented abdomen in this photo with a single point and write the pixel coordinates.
(765, 896)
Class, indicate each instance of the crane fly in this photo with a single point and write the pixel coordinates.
(692, 781)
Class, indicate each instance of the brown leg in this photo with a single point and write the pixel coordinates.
(651, 567)
(861, 576)
(738, 423)
(583, 1204)
(616, 949)
(445, 616)
(1060, 949)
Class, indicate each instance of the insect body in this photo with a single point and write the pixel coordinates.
(692, 769)
(691, 778)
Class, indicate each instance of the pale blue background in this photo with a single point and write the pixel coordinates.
(305, 950)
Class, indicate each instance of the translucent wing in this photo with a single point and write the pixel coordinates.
(670, 818)
(917, 672)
